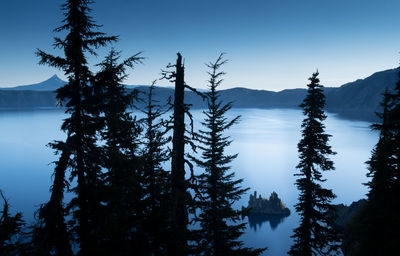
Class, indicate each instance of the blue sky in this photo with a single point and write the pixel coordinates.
(270, 44)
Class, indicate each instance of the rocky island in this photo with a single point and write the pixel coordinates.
(271, 206)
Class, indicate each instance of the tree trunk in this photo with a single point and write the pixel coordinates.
(179, 214)
(55, 222)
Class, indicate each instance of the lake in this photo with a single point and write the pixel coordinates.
(266, 140)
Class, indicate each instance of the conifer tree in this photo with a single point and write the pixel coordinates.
(156, 180)
(179, 190)
(395, 121)
(179, 215)
(394, 116)
(374, 227)
(180, 197)
(314, 236)
(382, 160)
(51, 231)
(120, 157)
(221, 225)
(10, 226)
(81, 126)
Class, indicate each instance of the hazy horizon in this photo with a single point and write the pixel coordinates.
(164, 83)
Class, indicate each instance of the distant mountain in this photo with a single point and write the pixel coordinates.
(362, 96)
(359, 99)
(54, 82)
(51, 84)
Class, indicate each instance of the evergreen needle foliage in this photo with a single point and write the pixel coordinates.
(181, 200)
(10, 227)
(125, 202)
(375, 229)
(79, 153)
(179, 215)
(157, 192)
(314, 236)
(120, 158)
(221, 225)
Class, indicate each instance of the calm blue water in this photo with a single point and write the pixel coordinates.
(266, 141)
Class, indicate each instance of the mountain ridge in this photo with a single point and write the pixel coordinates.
(359, 99)
(51, 84)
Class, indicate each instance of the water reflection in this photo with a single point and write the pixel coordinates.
(266, 141)
(257, 220)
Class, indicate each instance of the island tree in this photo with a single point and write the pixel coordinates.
(221, 224)
(81, 126)
(314, 236)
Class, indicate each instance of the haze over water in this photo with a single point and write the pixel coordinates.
(266, 141)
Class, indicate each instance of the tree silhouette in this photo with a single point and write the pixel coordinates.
(374, 223)
(221, 225)
(178, 181)
(81, 127)
(314, 236)
(376, 226)
(394, 116)
(10, 226)
(156, 185)
(395, 120)
(180, 197)
(120, 157)
(51, 230)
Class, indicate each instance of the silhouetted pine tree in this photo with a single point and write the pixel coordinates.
(221, 225)
(374, 227)
(50, 233)
(382, 159)
(10, 226)
(395, 119)
(156, 179)
(123, 214)
(81, 126)
(314, 236)
(394, 116)
(178, 181)
(180, 197)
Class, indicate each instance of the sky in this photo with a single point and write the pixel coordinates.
(269, 44)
